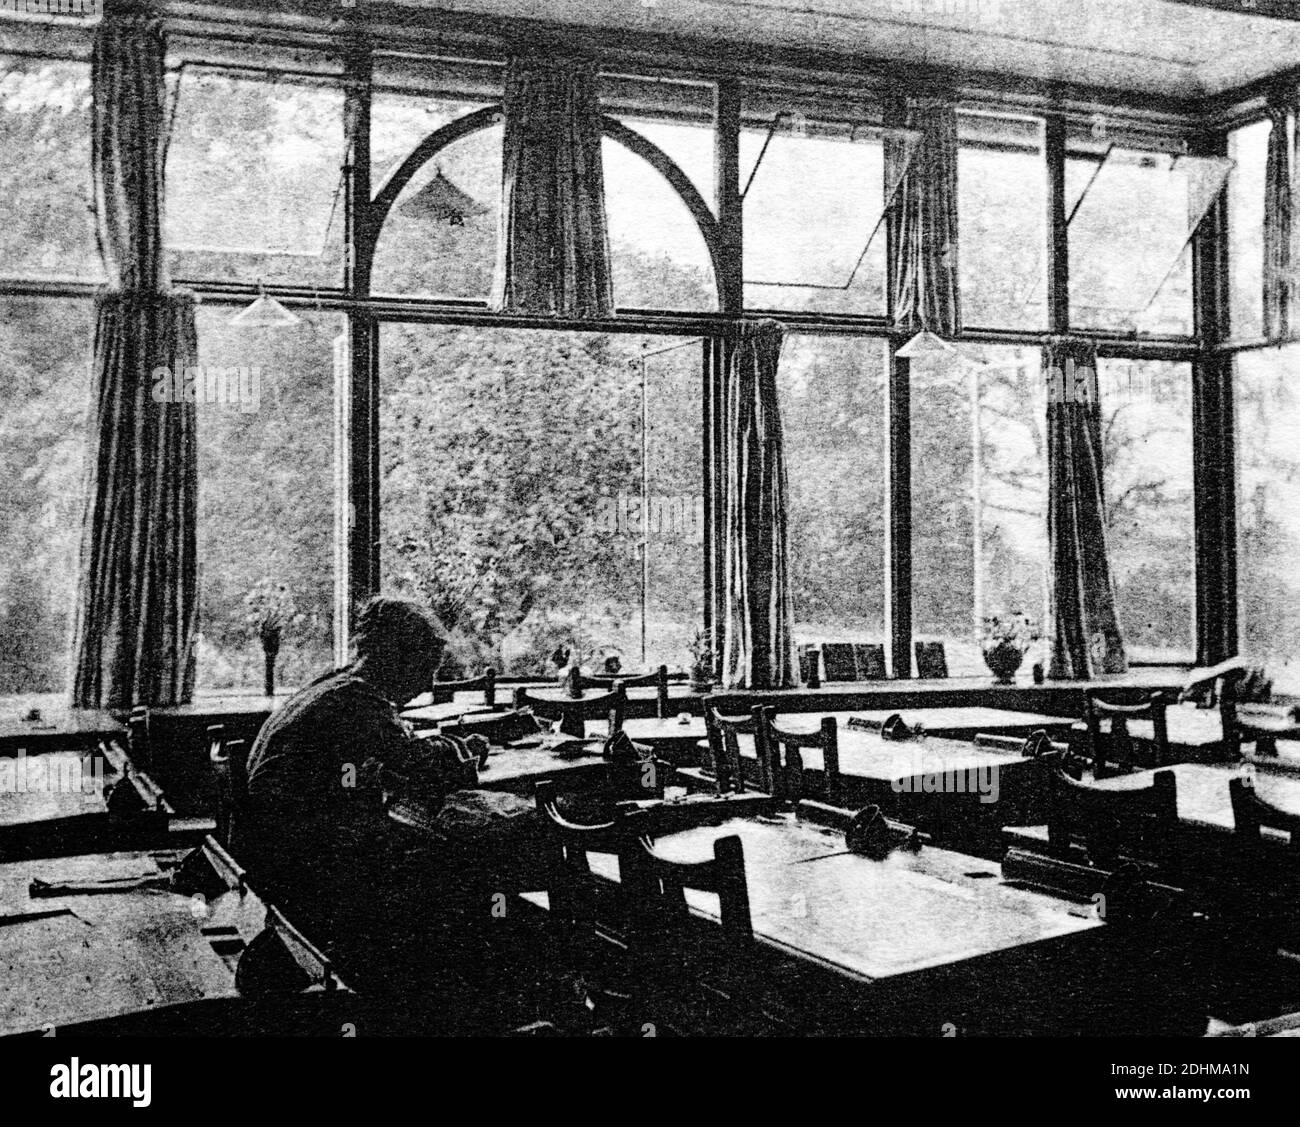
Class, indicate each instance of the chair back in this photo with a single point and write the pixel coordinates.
(1137, 824)
(1252, 814)
(931, 660)
(574, 712)
(229, 762)
(486, 681)
(780, 754)
(138, 744)
(1116, 746)
(658, 678)
(724, 749)
(680, 958)
(870, 659)
(568, 845)
(838, 661)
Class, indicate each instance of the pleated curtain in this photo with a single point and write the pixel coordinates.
(756, 608)
(137, 593)
(553, 241)
(922, 269)
(1280, 258)
(1085, 633)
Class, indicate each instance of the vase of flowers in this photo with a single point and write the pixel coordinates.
(1006, 638)
(270, 610)
(701, 663)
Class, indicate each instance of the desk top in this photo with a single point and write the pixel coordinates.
(108, 953)
(519, 768)
(64, 727)
(50, 786)
(875, 919)
(1203, 798)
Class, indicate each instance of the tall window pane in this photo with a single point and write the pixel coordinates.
(979, 457)
(521, 473)
(1268, 521)
(833, 414)
(265, 402)
(1248, 148)
(44, 397)
(1002, 194)
(1146, 417)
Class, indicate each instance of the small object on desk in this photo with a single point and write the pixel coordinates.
(870, 834)
(683, 718)
(33, 715)
(1038, 673)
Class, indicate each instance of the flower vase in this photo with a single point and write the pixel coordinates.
(1003, 659)
(270, 652)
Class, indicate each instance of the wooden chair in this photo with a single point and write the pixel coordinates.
(1117, 746)
(658, 678)
(780, 752)
(931, 661)
(445, 691)
(691, 977)
(1114, 825)
(728, 766)
(229, 762)
(584, 913)
(870, 660)
(1251, 815)
(574, 712)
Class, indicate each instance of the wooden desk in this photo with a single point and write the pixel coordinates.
(1196, 734)
(913, 944)
(109, 953)
(68, 729)
(518, 769)
(950, 788)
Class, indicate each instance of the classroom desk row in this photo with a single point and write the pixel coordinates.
(928, 943)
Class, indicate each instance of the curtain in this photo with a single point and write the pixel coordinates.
(137, 594)
(1085, 632)
(1279, 248)
(923, 276)
(553, 243)
(756, 610)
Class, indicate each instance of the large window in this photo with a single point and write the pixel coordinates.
(266, 494)
(544, 489)
(48, 228)
(978, 494)
(440, 238)
(1268, 512)
(44, 396)
(254, 169)
(832, 412)
(1146, 418)
(814, 232)
(1131, 218)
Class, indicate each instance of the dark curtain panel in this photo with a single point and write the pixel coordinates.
(137, 596)
(755, 611)
(1278, 237)
(1086, 638)
(553, 244)
(923, 280)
